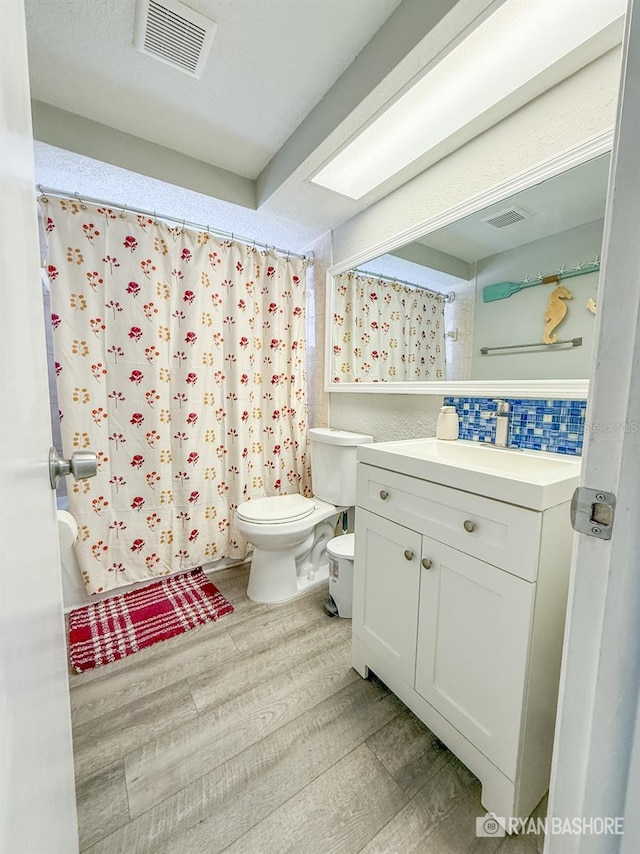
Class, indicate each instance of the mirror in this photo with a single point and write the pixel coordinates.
(507, 294)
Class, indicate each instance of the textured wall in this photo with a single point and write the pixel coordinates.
(573, 111)
(386, 416)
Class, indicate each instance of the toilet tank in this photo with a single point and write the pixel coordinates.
(333, 464)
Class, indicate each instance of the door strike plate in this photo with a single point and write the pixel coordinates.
(593, 512)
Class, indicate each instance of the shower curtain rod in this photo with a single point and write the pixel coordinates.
(450, 297)
(64, 194)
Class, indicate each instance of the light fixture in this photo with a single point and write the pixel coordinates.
(508, 50)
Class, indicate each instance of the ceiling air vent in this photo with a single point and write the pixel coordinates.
(173, 33)
(511, 216)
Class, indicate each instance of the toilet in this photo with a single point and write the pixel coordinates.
(289, 533)
(74, 593)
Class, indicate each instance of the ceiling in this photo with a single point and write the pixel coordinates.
(269, 66)
(287, 84)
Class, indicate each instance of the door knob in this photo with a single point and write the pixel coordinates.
(469, 526)
(384, 494)
(426, 563)
(408, 554)
(83, 464)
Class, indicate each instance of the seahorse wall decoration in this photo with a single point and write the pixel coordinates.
(556, 310)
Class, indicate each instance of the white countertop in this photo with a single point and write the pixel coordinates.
(533, 479)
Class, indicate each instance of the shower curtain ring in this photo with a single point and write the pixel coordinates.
(122, 212)
(184, 222)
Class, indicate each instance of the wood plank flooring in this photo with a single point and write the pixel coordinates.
(254, 734)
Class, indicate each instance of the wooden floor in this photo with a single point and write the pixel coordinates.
(253, 734)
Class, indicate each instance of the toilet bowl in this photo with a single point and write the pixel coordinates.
(289, 533)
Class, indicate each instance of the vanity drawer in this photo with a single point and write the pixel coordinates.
(500, 534)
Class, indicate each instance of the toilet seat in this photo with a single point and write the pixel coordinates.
(276, 509)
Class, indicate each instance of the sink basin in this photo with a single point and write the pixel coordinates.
(533, 479)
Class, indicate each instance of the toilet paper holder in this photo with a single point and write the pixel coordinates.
(83, 464)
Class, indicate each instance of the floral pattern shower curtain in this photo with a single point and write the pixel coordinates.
(181, 362)
(386, 332)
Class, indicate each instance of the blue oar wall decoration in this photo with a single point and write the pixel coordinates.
(503, 290)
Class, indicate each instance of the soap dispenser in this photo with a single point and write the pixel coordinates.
(448, 423)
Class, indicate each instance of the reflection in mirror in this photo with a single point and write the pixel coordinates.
(386, 331)
(507, 293)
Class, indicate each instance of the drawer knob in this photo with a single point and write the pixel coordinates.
(426, 563)
(469, 526)
(408, 554)
(384, 494)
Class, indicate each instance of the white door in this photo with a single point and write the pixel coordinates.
(386, 588)
(473, 644)
(596, 766)
(37, 796)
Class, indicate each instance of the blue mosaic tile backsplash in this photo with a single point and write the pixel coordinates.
(540, 425)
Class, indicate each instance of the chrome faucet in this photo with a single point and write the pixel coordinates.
(501, 415)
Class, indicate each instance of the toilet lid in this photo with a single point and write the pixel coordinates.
(276, 508)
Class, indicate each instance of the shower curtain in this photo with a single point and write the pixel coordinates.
(181, 361)
(386, 332)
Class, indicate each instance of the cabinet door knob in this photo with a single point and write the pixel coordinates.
(469, 526)
(426, 563)
(384, 494)
(408, 554)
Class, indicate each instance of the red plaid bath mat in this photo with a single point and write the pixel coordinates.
(112, 628)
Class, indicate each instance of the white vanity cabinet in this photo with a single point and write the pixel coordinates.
(459, 607)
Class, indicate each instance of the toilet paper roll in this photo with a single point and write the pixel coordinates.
(67, 529)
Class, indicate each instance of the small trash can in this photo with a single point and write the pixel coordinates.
(341, 551)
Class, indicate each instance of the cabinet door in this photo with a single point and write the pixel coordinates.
(386, 584)
(473, 639)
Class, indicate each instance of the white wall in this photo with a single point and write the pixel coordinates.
(72, 132)
(386, 416)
